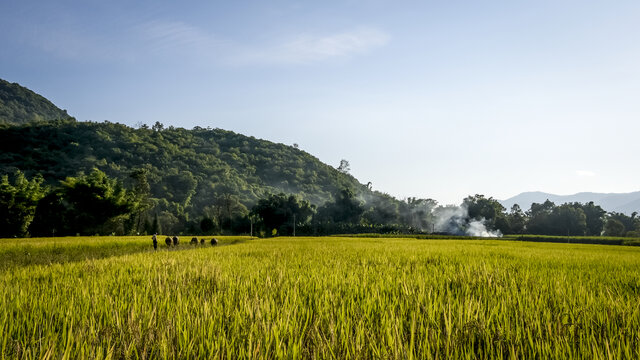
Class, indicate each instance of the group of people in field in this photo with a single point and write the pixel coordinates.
(175, 241)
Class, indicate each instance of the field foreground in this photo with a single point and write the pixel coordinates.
(317, 298)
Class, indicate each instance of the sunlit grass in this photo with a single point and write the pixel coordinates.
(322, 298)
(46, 251)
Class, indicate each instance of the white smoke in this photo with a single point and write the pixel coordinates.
(450, 219)
(455, 220)
(477, 228)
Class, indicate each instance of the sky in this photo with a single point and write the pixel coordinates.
(432, 99)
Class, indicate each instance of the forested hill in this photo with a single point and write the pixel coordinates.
(187, 170)
(19, 105)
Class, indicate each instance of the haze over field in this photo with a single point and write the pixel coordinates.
(423, 98)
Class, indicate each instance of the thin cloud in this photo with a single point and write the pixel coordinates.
(74, 45)
(179, 40)
(306, 48)
(160, 36)
(178, 37)
(135, 43)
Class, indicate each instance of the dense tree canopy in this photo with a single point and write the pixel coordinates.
(594, 217)
(517, 220)
(345, 208)
(86, 205)
(614, 227)
(488, 209)
(18, 201)
(280, 213)
(186, 170)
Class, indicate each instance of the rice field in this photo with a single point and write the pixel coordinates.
(308, 298)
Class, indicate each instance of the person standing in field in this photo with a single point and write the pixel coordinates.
(155, 241)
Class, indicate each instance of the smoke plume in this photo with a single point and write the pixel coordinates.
(455, 220)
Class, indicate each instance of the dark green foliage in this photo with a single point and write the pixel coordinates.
(613, 227)
(52, 218)
(141, 192)
(517, 220)
(379, 209)
(94, 198)
(630, 224)
(19, 105)
(280, 212)
(549, 219)
(346, 208)
(207, 226)
(594, 217)
(155, 226)
(539, 218)
(18, 201)
(569, 220)
(489, 209)
(188, 173)
(91, 204)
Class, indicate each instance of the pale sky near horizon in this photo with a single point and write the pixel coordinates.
(424, 98)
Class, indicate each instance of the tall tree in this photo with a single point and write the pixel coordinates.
(479, 207)
(540, 217)
(155, 226)
(517, 220)
(595, 216)
(18, 201)
(629, 223)
(89, 204)
(568, 220)
(614, 227)
(142, 194)
(344, 166)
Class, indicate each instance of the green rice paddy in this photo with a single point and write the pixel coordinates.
(308, 298)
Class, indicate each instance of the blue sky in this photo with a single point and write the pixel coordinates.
(425, 98)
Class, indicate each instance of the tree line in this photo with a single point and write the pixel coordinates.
(96, 204)
(569, 219)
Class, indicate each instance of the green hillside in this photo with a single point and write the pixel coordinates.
(186, 165)
(174, 179)
(19, 105)
(189, 172)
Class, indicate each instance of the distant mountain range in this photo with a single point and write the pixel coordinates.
(625, 203)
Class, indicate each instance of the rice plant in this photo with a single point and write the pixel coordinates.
(319, 298)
